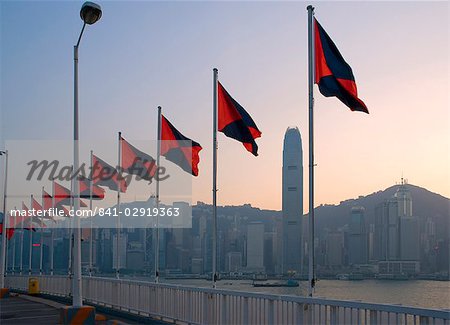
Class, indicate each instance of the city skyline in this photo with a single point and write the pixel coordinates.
(363, 236)
(164, 55)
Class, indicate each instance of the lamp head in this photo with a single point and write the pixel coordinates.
(90, 12)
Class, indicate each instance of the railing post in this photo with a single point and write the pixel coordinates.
(423, 320)
(270, 312)
(205, 308)
(245, 310)
(333, 315)
(373, 317)
(276, 312)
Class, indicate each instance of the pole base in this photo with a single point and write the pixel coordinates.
(4, 293)
(84, 315)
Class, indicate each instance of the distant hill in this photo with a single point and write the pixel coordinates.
(245, 211)
(425, 204)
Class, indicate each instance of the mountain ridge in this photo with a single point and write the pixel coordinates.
(424, 204)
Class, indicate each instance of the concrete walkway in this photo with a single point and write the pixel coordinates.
(24, 309)
(17, 310)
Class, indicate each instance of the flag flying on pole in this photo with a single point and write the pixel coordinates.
(179, 149)
(37, 207)
(63, 196)
(333, 75)
(26, 221)
(234, 121)
(136, 162)
(106, 175)
(47, 200)
(9, 231)
(85, 190)
(47, 203)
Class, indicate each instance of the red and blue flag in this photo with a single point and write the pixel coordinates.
(234, 121)
(179, 149)
(103, 174)
(136, 162)
(85, 189)
(333, 75)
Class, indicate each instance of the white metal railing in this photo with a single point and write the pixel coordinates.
(192, 305)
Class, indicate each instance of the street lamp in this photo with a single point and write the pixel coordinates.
(90, 13)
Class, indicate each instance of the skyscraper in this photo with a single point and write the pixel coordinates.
(387, 231)
(122, 250)
(292, 201)
(334, 249)
(255, 247)
(396, 229)
(408, 224)
(403, 197)
(357, 237)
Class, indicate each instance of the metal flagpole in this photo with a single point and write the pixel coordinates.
(3, 251)
(214, 190)
(21, 248)
(311, 278)
(14, 247)
(91, 188)
(158, 151)
(118, 208)
(6, 254)
(41, 250)
(53, 231)
(71, 243)
(30, 255)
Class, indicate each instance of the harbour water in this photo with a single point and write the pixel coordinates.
(417, 293)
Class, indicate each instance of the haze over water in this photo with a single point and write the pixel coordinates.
(420, 293)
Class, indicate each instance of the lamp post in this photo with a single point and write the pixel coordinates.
(3, 249)
(89, 13)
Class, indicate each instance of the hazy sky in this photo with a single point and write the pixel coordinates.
(144, 54)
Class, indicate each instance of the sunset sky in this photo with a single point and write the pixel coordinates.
(143, 54)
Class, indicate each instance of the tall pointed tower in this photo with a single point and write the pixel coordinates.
(292, 202)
